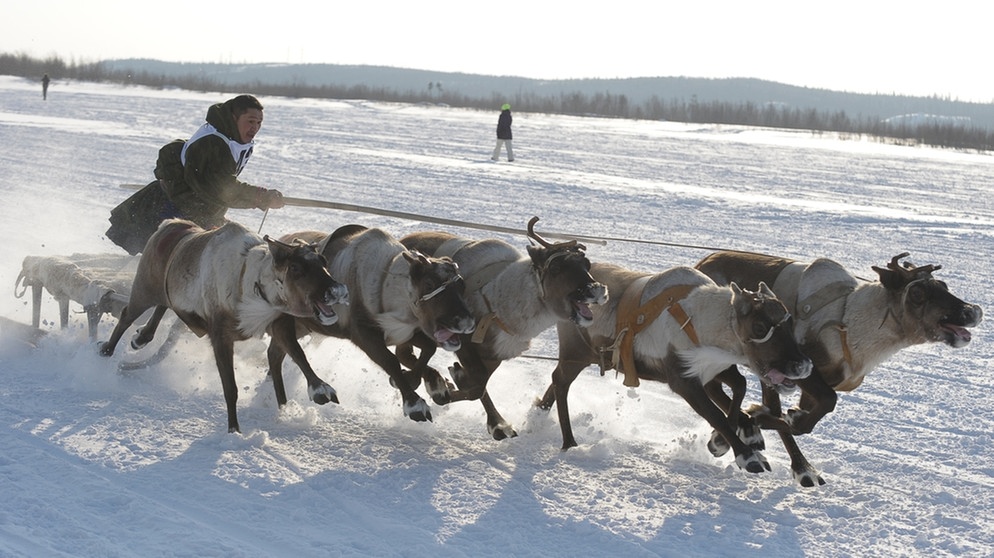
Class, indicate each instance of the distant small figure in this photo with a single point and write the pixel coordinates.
(44, 87)
(504, 133)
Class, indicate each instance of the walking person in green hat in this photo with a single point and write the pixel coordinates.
(504, 133)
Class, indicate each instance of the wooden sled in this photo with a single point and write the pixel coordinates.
(100, 283)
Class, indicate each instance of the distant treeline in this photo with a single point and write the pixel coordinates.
(938, 132)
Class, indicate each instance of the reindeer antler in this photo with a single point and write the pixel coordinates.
(895, 261)
(911, 269)
(903, 273)
(297, 243)
(533, 235)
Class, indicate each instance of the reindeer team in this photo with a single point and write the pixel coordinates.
(811, 326)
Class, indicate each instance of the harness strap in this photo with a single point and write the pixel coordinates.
(475, 282)
(848, 384)
(634, 317)
(822, 297)
(489, 318)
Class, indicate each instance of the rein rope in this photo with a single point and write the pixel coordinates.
(600, 240)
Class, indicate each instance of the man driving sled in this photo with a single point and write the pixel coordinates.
(197, 179)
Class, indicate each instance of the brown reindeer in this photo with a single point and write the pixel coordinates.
(395, 294)
(228, 284)
(514, 298)
(681, 328)
(847, 326)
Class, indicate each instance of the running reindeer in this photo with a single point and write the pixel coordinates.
(395, 296)
(681, 328)
(848, 326)
(226, 283)
(514, 298)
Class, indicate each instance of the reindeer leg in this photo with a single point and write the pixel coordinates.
(497, 426)
(224, 353)
(370, 340)
(129, 314)
(284, 342)
(146, 333)
(405, 354)
(717, 444)
(562, 378)
(817, 400)
(275, 355)
(769, 417)
(694, 393)
(471, 374)
(732, 407)
(575, 354)
(439, 388)
(804, 473)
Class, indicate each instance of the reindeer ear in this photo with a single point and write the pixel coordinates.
(413, 257)
(766, 291)
(280, 251)
(536, 253)
(889, 279)
(741, 301)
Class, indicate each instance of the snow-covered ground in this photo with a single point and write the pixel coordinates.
(98, 463)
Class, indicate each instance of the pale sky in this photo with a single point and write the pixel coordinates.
(916, 48)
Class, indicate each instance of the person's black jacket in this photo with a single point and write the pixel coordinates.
(504, 125)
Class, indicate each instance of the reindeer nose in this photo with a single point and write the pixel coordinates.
(596, 292)
(337, 294)
(972, 315)
(802, 369)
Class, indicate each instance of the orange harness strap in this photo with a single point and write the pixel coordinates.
(633, 318)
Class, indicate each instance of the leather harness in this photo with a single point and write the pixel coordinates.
(634, 317)
(474, 283)
(807, 307)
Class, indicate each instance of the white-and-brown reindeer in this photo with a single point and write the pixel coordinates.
(395, 296)
(514, 298)
(681, 328)
(846, 325)
(227, 283)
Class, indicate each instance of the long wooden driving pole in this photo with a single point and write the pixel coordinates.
(305, 202)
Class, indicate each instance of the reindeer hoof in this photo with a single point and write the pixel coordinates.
(502, 431)
(412, 378)
(717, 444)
(137, 341)
(753, 463)
(418, 412)
(323, 394)
(799, 421)
(808, 478)
(440, 389)
(752, 436)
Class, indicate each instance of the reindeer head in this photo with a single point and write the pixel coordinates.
(765, 330)
(923, 306)
(564, 276)
(308, 288)
(438, 297)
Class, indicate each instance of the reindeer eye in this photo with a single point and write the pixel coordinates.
(760, 328)
(916, 294)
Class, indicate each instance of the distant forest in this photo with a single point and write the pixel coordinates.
(938, 132)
